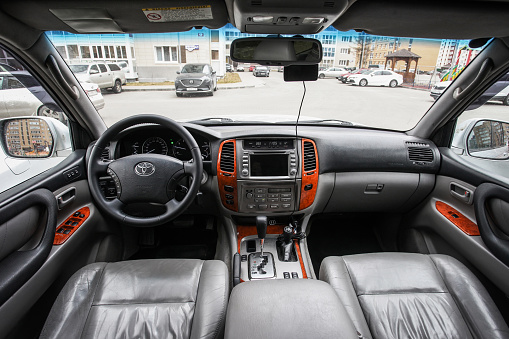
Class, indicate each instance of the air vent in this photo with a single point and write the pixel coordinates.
(416, 144)
(227, 163)
(309, 156)
(256, 2)
(328, 4)
(105, 155)
(421, 154)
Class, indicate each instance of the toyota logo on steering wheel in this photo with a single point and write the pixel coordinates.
(144, 169)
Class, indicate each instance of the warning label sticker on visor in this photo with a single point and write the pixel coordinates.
(186, 13)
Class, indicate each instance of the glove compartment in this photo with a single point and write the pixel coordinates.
(378, 191)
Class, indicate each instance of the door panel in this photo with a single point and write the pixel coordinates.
(95, 240)
(438, 226)
(19, 264)
(489, 201)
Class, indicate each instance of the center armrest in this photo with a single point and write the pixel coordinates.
(295, 308)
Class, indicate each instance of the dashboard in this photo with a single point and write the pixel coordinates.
(268, 170)
(157, 140)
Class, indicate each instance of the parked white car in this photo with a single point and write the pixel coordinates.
(22, 95)
(498, 92)
(100, 74)
(94, 93)
(124, 66)
(332, 72)
(376, 78)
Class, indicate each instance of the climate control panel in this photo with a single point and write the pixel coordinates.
(255, 197)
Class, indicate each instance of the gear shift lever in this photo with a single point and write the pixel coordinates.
(261, 229)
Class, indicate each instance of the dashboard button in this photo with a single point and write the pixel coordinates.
(228, 188)
(286, 205)
(249, 195)
(286, 199)
(260, 190)
(286, 195)
(262, 207)
(260, 196)
(261, 200)
(273, 199)
(229, 196)
(274, 206)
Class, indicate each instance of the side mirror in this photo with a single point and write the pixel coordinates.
(213, 72)
(30, 137)
(178, 72)
(488, 139)
(94, 71)
(277, 51)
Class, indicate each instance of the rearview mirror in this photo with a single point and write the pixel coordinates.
(277, 51)
(489, 139)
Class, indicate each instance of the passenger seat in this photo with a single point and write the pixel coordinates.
(407, 295)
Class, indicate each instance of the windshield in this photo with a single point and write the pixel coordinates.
(193, 69)
(79, 68)
(363, 80)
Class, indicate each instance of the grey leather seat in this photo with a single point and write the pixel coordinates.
(405, 295)
(164, 298)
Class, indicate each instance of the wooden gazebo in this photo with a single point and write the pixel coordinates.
(406, 56)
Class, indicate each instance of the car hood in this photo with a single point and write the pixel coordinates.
(191, 75)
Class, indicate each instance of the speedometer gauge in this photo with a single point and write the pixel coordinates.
(155, 145)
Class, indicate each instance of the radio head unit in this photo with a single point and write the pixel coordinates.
(268, 158)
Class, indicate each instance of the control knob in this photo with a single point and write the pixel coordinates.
(293, 171)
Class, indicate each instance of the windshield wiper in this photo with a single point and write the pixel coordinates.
(226, 121)
(320, 121)
(213, 120)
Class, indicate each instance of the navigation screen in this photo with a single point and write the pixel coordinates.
(269, 165)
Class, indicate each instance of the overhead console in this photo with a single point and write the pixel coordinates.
(267, 175)
(286, 17)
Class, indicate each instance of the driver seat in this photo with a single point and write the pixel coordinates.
(156, 298)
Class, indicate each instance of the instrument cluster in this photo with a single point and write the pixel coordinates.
(160, 141)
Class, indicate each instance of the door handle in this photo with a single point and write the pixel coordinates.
(461, 193)
(66, 197)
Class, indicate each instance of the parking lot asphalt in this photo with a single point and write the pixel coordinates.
(389, 108)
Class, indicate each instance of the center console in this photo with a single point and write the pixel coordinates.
(267, 176)
(303, 308)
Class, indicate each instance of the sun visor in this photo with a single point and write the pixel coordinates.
(88, 20)
(286, 17)
(133, 16)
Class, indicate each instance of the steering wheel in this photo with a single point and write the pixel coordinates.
(144, 178)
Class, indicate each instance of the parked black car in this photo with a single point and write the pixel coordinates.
(196, 78)
(261, 71)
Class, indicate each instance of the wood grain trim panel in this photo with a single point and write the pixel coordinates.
(459, 220)
(244, 231)
(297, 248)
(307, 197)
(70, 225)
(228, 179)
